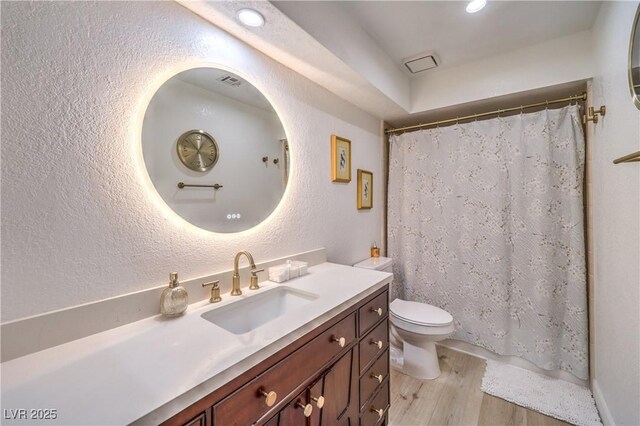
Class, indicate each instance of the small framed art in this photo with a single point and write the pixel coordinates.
(365, 189)
(340, 159)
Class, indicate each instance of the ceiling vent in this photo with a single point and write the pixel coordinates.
(231, 80)
(421, 62)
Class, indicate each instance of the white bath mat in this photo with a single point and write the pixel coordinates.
(554, 397)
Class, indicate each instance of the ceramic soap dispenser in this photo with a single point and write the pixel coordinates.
(174, 300)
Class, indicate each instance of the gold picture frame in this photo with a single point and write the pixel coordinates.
(365, 189)
(340, 159)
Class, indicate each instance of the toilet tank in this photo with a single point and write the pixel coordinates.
(378, 263)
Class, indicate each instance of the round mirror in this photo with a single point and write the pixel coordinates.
(215, 150)
(634, 60)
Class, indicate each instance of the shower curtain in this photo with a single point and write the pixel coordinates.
(486, 221)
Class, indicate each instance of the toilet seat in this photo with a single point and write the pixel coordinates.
(417, 313)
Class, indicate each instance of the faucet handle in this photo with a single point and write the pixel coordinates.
(254, 279)
(215, 291)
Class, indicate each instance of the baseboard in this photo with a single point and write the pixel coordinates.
(27, 335)
(477, 351)
(605, 414)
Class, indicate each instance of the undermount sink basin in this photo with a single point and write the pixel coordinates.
(257, 310)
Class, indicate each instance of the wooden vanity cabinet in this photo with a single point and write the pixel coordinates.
(335, 362)
(335, 386)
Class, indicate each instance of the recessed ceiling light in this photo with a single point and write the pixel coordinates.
(476, 5)
(251, 18)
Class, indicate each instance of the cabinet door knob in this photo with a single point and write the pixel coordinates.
(319, 401)
(341, 341)
(378, 377)
(377, 311)
(378, 411)
(269, 397)
(378, 343)
(307, 409)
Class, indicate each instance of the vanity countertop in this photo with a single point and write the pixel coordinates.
(149, 370)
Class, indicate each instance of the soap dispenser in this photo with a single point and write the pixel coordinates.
(174, 299)
(375, 251)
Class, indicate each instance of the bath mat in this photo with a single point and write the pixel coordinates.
(554, 397)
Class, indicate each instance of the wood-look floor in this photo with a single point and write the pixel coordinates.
(455, 398)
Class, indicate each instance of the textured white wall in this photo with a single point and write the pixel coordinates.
(244, 134)
(616, 213)
(80, 219)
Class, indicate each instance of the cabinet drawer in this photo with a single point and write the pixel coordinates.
(372, 378)
(373, 344)
(247, 404)
(371, 413)
(371, 312)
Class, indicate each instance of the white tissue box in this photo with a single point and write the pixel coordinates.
(279, 273)
(301, 267)
(294, 270)
(286, 271)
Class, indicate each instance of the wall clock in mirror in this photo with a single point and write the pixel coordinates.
(197, 150)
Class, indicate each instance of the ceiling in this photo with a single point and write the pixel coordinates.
(355, 49)
(405, 28)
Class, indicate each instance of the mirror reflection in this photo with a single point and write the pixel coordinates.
(215, 149)
(634, 60)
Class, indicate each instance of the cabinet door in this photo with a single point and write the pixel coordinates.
(316, 399)
(275, 421)
(338, 392)
(293, 414)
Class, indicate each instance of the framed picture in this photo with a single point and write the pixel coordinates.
(340, 159)
(365, 189)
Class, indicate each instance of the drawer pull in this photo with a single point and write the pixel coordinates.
(269, 397)
(319, 401)
(307, 409)
(377, 311)
(378, 377)
(378, 343)
(378, 411)
(341, 341)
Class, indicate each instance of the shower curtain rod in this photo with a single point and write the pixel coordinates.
(582, 97)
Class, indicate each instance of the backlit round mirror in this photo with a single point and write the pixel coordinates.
(634, 60)
(215, 150)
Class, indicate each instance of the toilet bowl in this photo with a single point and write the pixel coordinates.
(414, 330)
(417, 327)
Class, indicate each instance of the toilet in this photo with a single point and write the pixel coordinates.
(415, 328)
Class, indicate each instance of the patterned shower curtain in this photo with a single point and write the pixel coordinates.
(486, 221)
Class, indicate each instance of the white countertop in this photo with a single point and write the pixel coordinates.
(149, 370)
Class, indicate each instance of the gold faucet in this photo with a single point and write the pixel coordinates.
(235, 291)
